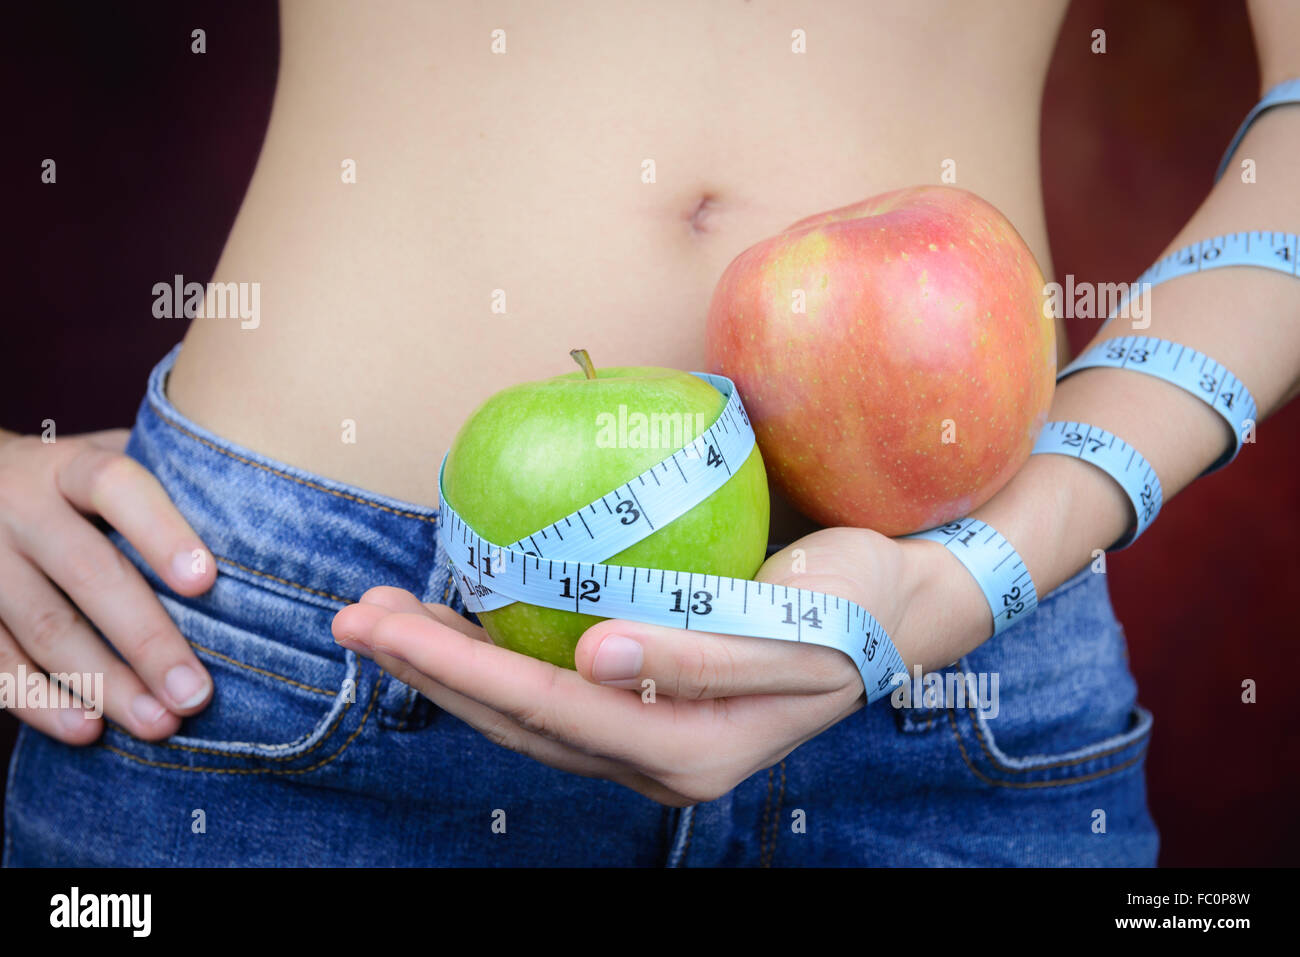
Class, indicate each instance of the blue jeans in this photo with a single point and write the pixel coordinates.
(310, 755)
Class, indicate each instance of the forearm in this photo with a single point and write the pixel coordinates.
(1058, 511)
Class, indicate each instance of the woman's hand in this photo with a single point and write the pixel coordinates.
(56, 567)
(723, 707)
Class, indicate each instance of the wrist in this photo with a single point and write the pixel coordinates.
(1057, 512)
(946, 615)
(1051, 513)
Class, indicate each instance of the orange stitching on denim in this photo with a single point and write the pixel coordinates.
(1038, 784)
(1038, 767)
(347, 705)
(263, 671)
(762, 825)
(776, 820)
(374, 695)
(285, 581)
(292, 478)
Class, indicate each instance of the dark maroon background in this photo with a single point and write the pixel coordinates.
(155, 146)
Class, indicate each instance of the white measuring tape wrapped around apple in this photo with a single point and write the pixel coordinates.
(560, 565)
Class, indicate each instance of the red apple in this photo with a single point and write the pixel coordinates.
(913, 382)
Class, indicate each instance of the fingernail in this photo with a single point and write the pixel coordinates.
(617, 659)
(72, 720)
(146, 709)
(188, 566)
(185, 686)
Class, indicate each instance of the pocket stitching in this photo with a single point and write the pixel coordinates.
(228, 753)
(263, 671)
(234, 754)
(284, 581)
(374, 697)
(1082, 758)
(776, 821)
(1144, 738)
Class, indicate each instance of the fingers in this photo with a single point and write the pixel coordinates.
(695, 750)
(379, 603)
(114, 440)
(384, 600)
(110, 592)
(550, 701)
(45, 543)
(102, 482)
(502, 731)
(71, 725)
(399, 601)
(697, 665)
(355, 621)
(699, 749)
(47, 630)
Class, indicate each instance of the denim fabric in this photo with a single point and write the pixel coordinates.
(310, 755)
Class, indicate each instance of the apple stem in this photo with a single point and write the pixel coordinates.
(580, 356)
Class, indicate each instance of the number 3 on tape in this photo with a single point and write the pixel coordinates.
(560, 565)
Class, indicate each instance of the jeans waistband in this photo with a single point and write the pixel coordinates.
(281, 527)
(292, 531)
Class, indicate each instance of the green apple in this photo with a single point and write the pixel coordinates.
(536, 452)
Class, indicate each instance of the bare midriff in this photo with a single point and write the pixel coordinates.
(501, 214)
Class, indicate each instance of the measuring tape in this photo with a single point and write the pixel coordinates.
(1113, 456)
(565, 558)
(1263, 250)
(560, 565)
(995, 565)
(1288, 91)
(1186, 368)
(1193, 372)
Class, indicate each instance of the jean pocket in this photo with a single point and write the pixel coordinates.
(274, 705)
(976, 739)
(1055, 702)
(1049, 704)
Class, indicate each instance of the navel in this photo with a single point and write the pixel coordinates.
(704, 217)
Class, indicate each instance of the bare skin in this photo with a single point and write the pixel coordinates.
(523, 172)
(477, 172)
